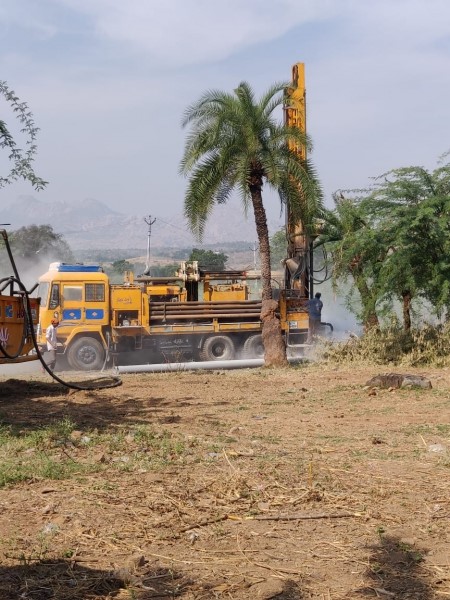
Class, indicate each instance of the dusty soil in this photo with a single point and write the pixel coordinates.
(291, 483)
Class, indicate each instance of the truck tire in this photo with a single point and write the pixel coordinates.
(253, 347)
(86, 354)
(217, 347)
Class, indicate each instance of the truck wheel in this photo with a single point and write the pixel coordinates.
(253, 347)
(86, 354)
(218, 347)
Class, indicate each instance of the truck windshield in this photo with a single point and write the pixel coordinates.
(43, 293)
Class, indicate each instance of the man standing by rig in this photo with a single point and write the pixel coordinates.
(50, 336)
(315, 306)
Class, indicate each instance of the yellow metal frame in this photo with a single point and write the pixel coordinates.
(295, 104)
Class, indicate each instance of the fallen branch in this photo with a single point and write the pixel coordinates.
(206, 522)
(297, 517)
(303, 516)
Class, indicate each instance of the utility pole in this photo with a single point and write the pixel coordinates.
(255, 248)
(149, 222)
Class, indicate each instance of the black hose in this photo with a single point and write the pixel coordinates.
(29, 326)
(8, 250)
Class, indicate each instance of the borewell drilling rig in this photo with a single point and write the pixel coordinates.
(299, 263)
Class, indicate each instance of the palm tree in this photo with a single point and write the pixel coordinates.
(235, 142)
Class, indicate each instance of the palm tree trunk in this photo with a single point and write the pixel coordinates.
(274, 344)
(263, 239)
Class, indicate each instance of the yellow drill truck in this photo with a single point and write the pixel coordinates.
(151, 320)
(194, 315)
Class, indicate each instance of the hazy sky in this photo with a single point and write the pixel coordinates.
(108, 81)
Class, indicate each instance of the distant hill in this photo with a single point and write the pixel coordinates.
(91, 224)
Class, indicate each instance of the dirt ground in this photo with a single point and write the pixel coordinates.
(297, 483)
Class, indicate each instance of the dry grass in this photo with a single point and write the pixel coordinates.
(427, 346)
(292, 484)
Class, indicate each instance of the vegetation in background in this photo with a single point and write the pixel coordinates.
(96, 255)
(168, 270)
(235, 143)
(21, 160)
(208, 259)
(116, 270)
(27, 242)
(393, 243)
(35, 245)
(278, 248)
(354, 253)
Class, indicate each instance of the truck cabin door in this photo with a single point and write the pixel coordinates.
(84, 302)
(72, 301)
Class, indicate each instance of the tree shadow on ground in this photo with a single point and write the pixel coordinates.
(67, 579)
(396, 571)
(291, 591)
(18, 389)
(27, 405)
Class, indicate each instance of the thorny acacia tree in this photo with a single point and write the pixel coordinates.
(235, 142)
(394, 241)
(411, 209)
(21, 160)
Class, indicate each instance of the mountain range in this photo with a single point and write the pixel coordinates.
(92, 224)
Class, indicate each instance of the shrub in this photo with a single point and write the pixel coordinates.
(427, 345)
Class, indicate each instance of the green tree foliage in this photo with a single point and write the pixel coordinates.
(120, 266)
(40, 242)
(278, 248)
(394, 241)
(209, 260)
(236, 143)
(21, 160)
(412, 210)
(165, 270)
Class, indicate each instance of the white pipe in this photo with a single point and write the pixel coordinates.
(250, 363)
(192, 366)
